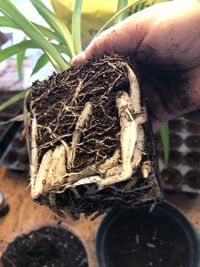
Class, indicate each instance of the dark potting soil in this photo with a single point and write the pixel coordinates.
(57, 103)
(146, 241)
(46, 247)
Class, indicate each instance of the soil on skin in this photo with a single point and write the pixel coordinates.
(46, 247)
(57, 104)
(146, 242)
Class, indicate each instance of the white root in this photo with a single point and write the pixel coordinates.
(34, 152)
(60, 167)
(128, 138)
(88, 180)
(84, 117)
(57, 168)
(109, 163)
(137, 157)
(52, 175)
(134, 91)
(37, 188)
(146, 169)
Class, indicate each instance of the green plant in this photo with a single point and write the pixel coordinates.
(68, 42)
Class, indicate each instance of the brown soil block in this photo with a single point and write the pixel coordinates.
(192, 159)
(175, 141)
(175, 125)
(193, 142)
(192, 178)
(193, 127)
(85, 112)
(48, 246)
(146, 241)
(171, 177)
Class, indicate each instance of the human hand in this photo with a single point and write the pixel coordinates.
(163, 42)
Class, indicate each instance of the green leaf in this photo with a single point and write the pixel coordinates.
(55, 23)
(6, 22)
(120, 5)
(20, 60)
(13, 100)
(62, 49)
(42, 61)
(16, 49)
(30, 30)
(76, 26)
(26, 44)
(164, 131)
(107, 24)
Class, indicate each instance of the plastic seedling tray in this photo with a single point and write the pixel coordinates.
(183, 170)
(13, 152)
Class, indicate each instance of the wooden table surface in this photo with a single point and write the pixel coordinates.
(24, 215)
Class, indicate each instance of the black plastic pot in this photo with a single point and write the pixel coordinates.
(140, 238)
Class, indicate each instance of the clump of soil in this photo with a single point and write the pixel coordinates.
(145, 241)
(192, 178)
(193, 141)
(193, 159)
(48, 246)
(57, 104)
(171, 177)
